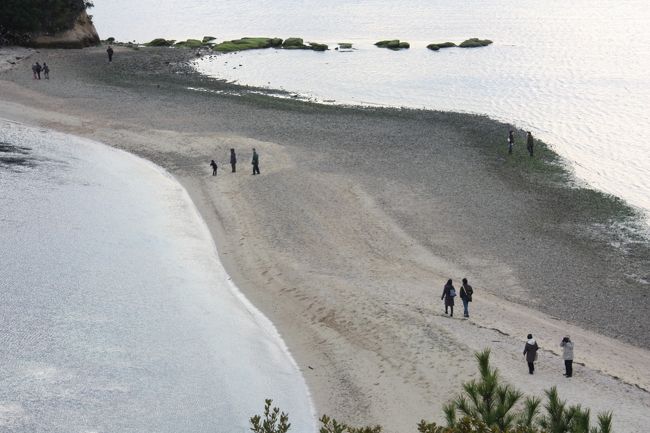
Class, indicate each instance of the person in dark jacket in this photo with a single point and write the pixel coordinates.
(256, 162)
(466, 293)
(233, 160)
(109, 51)
(34, 71)
(214, 167)
(529, 143)
(530, 352)
(448, 295)
(567, 355)
(46, 71)
(511, 141)
(39, 68)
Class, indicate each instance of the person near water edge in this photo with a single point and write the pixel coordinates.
(214, 167)
(233, 160)
(256, 162)
(109, 51)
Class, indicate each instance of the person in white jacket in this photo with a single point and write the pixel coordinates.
(567, 355)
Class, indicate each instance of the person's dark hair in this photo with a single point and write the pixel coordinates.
(530, 336)
(232, 150)
(464, 280)
(449, 281)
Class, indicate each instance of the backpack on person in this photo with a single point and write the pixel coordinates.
(469, 291)
(452, 293)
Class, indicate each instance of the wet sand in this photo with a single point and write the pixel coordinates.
(358, 219)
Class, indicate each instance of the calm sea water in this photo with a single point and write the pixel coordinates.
(116, 314)
(574, 73)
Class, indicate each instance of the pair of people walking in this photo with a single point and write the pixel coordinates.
(531, 348)
(233, 163)
(449, 293)
(37, 69)
(530, 142)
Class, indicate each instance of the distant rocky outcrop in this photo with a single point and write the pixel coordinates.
(82, 34)
(394, 44)
(475, 43)
(438, 45)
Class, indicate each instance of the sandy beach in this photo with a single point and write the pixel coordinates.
(358, 219)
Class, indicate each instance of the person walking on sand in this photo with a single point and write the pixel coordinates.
(466, 293)
(214, 167)
(34, 71)
(567, 355)
(39, 68)
(46, 71)
(233, 160)
(256, 163)
(448, 295)
(529, 143)
(530, 352)
(109, 51)
(511, 141)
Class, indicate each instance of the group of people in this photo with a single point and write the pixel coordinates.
(449, 293)
(531, 348)
(233, 163)
(37, 69)
(529, 142)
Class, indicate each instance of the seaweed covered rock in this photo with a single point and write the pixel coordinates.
(475, 43)
(247, 44)
(318, 47)
(160, 42)
(207, 39)
(345, 45)
(190, 43)
(294, 44)
(394, 44)
(436, 46)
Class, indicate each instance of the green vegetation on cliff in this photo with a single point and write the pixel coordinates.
(38, 16)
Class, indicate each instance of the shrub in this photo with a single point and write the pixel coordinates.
(475, 43)
(273, 422)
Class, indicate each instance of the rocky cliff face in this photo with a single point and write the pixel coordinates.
(82, 34)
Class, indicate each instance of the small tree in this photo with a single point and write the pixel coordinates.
(560, 418)
(274, 421)
(486, 400)
(330, 425)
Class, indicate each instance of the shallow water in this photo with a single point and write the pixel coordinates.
(574, 73)
(116, 313)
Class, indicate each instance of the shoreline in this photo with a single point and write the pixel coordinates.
(359, 339)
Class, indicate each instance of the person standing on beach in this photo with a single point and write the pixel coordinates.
(233, 160)
(214, 167)
(34, 71)
(530, 352)
(448, 295)
(256, 162)
(567, 355)
(511, 141)
(529, 143)
(46, 71)
(109, 51)
(39, 68)
(466, 293)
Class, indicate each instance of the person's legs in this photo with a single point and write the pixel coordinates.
(234, 167)
(531, 367)
(465, 307)
(446, 309)
(568, 366)
(451, 307)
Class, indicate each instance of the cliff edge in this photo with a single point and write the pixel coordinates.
(82, 34)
